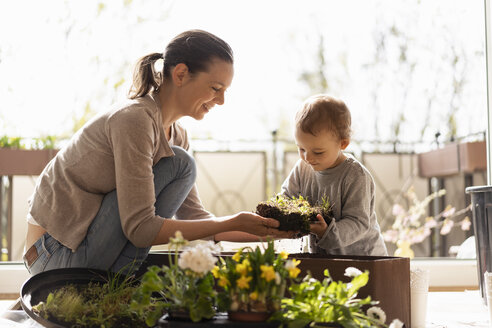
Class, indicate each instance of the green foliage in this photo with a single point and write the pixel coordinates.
(254, 279)
(296, 213)
(174, 289)
(299, 205)
(11, 142)
(93, 305)
(327, 301)
(46, 142)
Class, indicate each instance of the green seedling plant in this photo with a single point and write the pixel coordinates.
(93, 305)
(254, 280)
(296, 213)
(314, 303)
(184, 286)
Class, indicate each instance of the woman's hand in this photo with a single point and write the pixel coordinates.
(264, 227)
(318, 228)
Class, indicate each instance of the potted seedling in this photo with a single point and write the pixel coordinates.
(294, 214)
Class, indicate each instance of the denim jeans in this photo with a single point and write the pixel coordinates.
(105, 246)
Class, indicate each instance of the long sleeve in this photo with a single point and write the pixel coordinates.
(291, 185)
(132, 136)
(350, 190)
(356, 215)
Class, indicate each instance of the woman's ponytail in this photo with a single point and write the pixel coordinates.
(195, 48)
(145, 78)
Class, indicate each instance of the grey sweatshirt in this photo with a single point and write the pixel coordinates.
(350, 189)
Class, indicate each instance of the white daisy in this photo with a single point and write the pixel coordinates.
(396, 324)
(352, 272)
(377, 314)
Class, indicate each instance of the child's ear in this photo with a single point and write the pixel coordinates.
(180, 73)
(344, 143)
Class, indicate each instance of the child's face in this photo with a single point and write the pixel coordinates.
(322, 151)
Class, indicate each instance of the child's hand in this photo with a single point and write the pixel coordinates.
(318, 228)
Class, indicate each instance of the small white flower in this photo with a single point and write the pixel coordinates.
(199, 259)
(390, 235)
(398, 210)
(289, 264)
(377, 314)
(430, 222)
(352, 272)
(396, 324)
(448, 211)
(447, 226)
(465, 224)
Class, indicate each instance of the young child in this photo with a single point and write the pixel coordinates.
(322, 132)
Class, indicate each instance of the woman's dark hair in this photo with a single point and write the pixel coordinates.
(194, 48)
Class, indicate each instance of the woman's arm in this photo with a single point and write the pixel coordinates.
(241, 237)
(244, 222)
(237, 236)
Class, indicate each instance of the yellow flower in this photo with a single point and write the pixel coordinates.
(294, 272)
(243, 267)
(243, 282)
(236, 257)
(283, 255)
(215, 271)
(223, 281)
(267, 272)
(253, 296)
(291, 266)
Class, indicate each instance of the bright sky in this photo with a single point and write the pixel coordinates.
(58, 56)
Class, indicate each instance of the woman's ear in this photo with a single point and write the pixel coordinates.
(180, 73)
(344, 143)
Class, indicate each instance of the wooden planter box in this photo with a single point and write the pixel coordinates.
(389, 277)
(452, 159)
(24, 162)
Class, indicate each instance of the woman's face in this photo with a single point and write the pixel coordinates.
(201, 91)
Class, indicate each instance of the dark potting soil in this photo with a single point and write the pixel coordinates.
(294, 214)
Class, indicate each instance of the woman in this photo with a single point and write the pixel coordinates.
(108, 196)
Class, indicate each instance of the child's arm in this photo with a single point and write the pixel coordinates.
(357, 231)
(319, 227)
(291, 185)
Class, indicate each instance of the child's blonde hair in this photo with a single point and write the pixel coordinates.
(323, 112)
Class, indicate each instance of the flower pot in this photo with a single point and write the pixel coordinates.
(389, 281)
(327, 324)
(24, 161)
(481, 198)
(452, 159)
(181, 315)
(249, 316)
